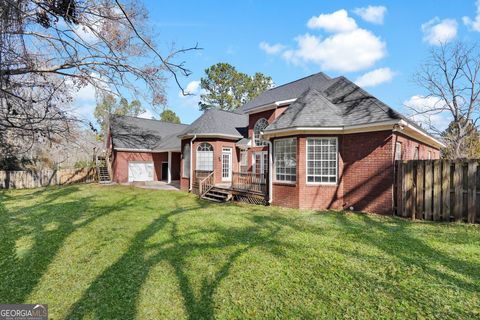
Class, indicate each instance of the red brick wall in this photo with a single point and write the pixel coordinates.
(217, 144)
(408, 148)
(121, 158)
(368, 171)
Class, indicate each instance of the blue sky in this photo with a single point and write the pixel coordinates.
(379, 44)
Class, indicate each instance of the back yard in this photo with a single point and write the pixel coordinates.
(118, 252)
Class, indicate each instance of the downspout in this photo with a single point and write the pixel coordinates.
(270, 172)
(191, 162)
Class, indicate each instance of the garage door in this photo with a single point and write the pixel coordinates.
(140, 171)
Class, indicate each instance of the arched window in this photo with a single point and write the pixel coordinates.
(260, 125)
(186, 161)
(205, 157)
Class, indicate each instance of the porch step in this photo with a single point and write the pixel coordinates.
(217, 195)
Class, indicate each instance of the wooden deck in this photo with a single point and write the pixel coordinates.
(244, 187)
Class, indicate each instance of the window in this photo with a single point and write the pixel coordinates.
(205, 157)
(429, 155)
(322, 160)
(285, 162)
(186, 161)
(243, 161)
(260, 125)
(415, 154)
(398, 151)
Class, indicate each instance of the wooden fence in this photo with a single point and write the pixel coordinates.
(438, 190)
(43, 178)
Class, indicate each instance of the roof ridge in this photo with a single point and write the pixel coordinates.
(372, 96)
(303, 78)
(156, 120)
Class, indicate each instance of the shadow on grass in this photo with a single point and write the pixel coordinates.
(396, 240)
(121, 283)
(47, 225)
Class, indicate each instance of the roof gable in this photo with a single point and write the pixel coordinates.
(218, 122)
(340, 104)
(288, 91)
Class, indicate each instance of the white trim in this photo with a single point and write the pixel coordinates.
(169, 177)
(190, 179)
(274, 167)
(420, 133)
(405, 128)
(306, 163)
(229, 151)
(269, 106)
(146, 150)
(270, 172)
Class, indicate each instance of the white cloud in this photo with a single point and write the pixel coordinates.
(420, 106)
(347, 51)
(438, 31)
(146, 115)
(192, 87)
(473, 24)
(375, 77)
(373, 14)
(194, 91)
(271, 48)
(335, 22)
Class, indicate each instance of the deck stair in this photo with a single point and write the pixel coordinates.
(102, 170)
(216, 194)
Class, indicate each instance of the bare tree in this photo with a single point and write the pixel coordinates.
(50, 48)
(451, 79)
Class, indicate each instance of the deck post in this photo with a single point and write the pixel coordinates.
(169, 176)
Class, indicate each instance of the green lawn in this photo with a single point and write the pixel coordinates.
(118, 252)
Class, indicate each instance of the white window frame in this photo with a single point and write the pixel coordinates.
(398, 146)
(274, 173)
(243, 163)
(306, 162)
(186, 173)
(262, 143)
(199, 152)
(229, 152)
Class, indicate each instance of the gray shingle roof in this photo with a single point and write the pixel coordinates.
(144, 134)
(291, 90)
(218, 122)
(340, 104)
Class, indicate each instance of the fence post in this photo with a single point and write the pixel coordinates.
(420, 190)
(437, 190)
(409, 189)
(472, 190)
(428, 190)
(458, 179)
(446, 190)
(400, 181)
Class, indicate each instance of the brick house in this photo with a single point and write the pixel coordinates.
(329, 143)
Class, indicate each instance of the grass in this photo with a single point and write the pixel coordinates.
(100, 252)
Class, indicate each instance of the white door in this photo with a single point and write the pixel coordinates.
(226, 164)
(140, 171)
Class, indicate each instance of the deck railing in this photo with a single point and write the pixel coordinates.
(207, 183)
(248, 181)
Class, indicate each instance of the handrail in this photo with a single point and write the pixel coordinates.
(207, 183)
(249, 181)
